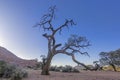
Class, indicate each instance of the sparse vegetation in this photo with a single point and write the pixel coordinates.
(11, 71)
(38, 65)
(110, 68)
(66, 68)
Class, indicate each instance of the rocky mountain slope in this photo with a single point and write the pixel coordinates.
(9, 57)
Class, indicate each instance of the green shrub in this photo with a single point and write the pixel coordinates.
(2, 68)
(75, 70)
(18, 74)
(52, 68)
(11, 71)
(67, 68)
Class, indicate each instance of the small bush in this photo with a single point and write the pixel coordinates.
(18, 75)
(2, 68)
(75, 70)
(38, 65)
(52, 68)
(67, 68)
(11, 71)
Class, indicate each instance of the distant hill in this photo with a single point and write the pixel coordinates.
(9, 57)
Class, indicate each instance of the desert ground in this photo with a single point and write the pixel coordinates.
(83, 75)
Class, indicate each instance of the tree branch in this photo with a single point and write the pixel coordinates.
(67, 22)
(57, 45)
(46, 20)
(73, 58)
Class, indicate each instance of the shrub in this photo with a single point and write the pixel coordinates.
(11, 71)
(38, 65)
(52, 68)
(18, 75)
(57, 69)
(75, 70)
(2, 68)
(66, 68)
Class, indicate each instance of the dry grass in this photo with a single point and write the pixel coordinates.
(110, 68)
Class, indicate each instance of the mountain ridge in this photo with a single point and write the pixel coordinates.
(11, 58)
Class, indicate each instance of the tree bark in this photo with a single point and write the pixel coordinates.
(113, 67)
(45, 70)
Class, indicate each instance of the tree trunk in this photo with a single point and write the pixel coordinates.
(113, 67)
(45, 70)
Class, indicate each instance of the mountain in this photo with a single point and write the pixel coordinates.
(9, 57)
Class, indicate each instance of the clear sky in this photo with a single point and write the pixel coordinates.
(98, 20)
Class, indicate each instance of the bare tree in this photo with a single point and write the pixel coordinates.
(72, 46)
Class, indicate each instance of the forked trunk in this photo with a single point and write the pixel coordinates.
(45, 70)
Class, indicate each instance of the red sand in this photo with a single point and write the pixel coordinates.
(83, 75)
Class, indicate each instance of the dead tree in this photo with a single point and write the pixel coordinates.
(72, 46)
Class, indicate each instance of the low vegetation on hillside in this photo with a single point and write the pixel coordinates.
(11, 72)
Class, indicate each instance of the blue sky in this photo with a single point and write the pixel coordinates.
(98, 20)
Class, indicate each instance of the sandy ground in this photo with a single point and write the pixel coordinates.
(83, 75)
